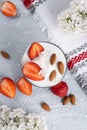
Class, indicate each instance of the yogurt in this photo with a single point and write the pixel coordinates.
(43, 60)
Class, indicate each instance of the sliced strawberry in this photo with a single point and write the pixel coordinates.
(8, 87)
(24, 86)
(31, 70)
(34, 50)
(8, 9)
(60, 89)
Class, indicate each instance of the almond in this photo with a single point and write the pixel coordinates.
(60, 66)
(53, 59)
(45, 106)
(5, 54)
(66, 100)
(72, 99)
(52, 75)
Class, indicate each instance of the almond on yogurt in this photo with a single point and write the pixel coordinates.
(60, 66)
(53, 59)
(52, 75)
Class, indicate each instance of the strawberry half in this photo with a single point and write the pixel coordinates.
(31, 70)
(8, 9)
(60, 89)
(8, 87)
(34, 50)
(24, 86)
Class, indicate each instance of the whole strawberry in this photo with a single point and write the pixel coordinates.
(60, 89)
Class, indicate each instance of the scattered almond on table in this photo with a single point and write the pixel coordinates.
(5, 54)
(66, 100)
(45, 106)
(72, 99)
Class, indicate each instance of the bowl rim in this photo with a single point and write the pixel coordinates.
(65, 63)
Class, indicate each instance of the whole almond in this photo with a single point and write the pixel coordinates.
(45, 106)
(66, 100)
(60, 66)
(72, 99)
(5, 54)
(53, 59)
(52, 75)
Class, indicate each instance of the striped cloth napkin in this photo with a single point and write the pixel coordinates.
(74, 45)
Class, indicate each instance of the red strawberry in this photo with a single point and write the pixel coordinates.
(8, 87)
(8, 9)
(60, 89)
(24, 86)
(34, 50)
(31, 70)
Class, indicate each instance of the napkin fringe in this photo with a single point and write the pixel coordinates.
(43, 27)
(39, 22)
(75, 69)
(76, 51)
(82, 80)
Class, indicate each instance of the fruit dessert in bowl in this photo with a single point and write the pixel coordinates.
(44, 64)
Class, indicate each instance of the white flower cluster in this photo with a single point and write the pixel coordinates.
(75, 17)
(17, 119)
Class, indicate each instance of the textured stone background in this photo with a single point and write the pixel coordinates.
(15, 35)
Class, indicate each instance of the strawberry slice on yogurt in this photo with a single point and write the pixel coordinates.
(34, 50)
(32, 70)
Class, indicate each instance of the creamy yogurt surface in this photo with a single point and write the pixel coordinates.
(43, 60)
